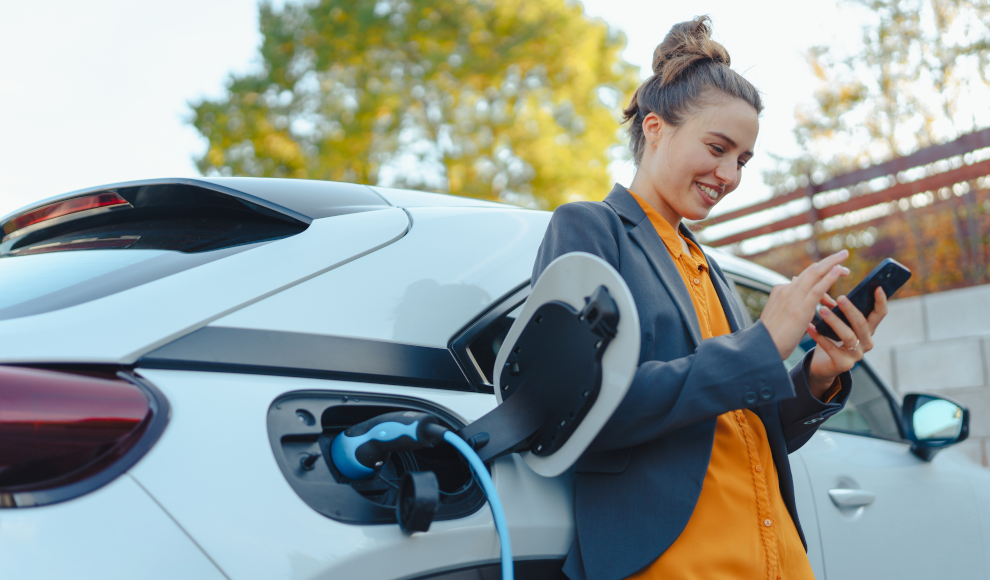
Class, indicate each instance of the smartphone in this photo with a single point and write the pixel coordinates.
(889, 275)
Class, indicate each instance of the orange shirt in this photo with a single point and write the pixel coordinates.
(740, 527)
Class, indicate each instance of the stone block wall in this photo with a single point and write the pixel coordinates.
(940, 343)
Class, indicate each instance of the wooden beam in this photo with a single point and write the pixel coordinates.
(962, 145)
(899, 191)
(791, 222)
(902, 190)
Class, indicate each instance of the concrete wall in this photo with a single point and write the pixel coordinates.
(940, 343)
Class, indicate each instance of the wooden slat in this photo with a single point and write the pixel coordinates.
(791, 222)
(902, 190)
(750, 209)
(964, 144)
(899, 191)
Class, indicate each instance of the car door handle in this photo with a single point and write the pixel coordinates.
(851, 498)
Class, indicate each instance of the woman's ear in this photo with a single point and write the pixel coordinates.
(653, 127)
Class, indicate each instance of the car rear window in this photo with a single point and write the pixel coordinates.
(58, 256)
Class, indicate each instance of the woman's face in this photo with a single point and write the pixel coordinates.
(692, 167)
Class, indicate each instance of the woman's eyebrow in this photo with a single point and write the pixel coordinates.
(728, 140)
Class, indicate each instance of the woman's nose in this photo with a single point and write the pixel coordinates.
(727, 172)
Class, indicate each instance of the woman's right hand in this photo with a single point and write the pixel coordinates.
(791, 307)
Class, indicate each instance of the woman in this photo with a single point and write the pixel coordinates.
(690, 477)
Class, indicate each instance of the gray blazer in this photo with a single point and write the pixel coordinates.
(638, 483)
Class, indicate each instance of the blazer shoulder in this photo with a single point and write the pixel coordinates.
(583, 226)
(586, 210)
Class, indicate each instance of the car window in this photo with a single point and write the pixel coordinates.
(868, 410)
(476, 346)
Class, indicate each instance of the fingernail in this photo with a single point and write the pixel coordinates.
(843, 300)
(845, 270)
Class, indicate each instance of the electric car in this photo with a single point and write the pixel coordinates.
(177, 355)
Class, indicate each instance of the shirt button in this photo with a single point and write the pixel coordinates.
(767, 522)
(697, 281)
(758, 469)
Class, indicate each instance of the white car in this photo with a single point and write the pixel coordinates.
(176, 355)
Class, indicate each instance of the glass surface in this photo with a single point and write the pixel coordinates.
(32, 276)
(867, 411)
(753, 300)
(937, 420)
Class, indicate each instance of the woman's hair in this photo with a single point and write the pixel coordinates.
(690, 70)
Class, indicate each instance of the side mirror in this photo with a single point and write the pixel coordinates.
(933, 423)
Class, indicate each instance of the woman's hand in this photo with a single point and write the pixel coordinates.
(792, 306)
(831, 358)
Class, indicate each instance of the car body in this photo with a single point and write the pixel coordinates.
(261, 316)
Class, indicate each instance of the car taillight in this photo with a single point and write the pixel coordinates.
(62, 434)
(63, 208)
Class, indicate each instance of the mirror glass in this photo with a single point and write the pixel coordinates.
(937, 420)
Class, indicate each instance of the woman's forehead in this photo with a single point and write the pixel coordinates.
(731, 118)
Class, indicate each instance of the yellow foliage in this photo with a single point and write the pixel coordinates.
(504, 94)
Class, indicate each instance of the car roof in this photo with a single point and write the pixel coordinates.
(741, 267)
(303, 199)
(410, 198)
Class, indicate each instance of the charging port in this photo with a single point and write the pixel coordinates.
(301, 427)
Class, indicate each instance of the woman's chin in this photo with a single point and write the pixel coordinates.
(697, 214)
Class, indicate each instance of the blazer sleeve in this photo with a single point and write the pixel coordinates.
(801, 416)
(724, 373)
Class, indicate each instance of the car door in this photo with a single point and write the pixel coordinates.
(882, 512)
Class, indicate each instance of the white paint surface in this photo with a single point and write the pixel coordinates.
(214, 470)
(421, 289)
(125, 325)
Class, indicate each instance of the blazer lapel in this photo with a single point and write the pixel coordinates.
(656, 252)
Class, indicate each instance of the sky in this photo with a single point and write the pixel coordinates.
(97, 92)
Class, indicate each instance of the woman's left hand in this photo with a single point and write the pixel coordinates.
(831, 359)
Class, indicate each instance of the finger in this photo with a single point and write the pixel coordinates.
(822, 267)
(846, 334)
(843, 359)
(827, 301)
(879, 309)
(857, 322)
(815, 272)
(825, 282)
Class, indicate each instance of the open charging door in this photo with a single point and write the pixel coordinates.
(562, 370)
(564, 366)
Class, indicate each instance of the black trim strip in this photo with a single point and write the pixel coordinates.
(296, 354)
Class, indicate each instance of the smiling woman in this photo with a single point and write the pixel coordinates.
(713, 410)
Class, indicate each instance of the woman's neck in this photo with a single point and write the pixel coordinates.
(643, 187)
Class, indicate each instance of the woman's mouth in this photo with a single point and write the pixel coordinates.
(710, 193)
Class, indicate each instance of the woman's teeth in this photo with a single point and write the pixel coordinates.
(711, 193)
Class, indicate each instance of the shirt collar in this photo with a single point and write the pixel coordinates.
(667, 233)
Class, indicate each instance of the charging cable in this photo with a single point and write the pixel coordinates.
(360, 451)
(481, 474)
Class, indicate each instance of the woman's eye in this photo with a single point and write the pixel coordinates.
(742, 163)
(717, 149)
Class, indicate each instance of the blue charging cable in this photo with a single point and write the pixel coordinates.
(481, 474)
(361, 450)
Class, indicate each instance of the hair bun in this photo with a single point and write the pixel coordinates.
(687, 43)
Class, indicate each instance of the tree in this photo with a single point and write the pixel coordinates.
(498, 99)
(921, 76)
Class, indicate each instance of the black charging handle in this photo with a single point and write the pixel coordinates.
(419, 495)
